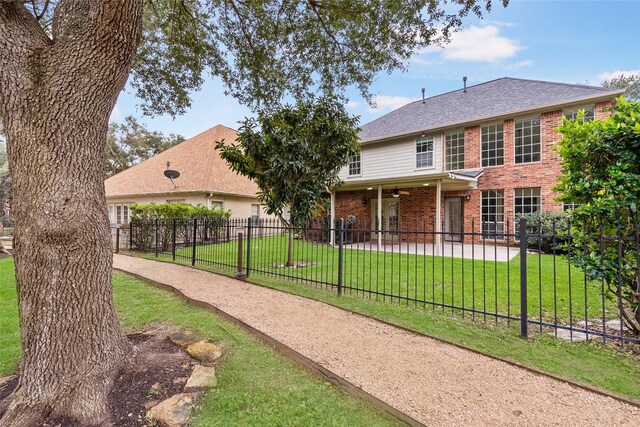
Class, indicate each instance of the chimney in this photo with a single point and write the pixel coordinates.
(423, 95)
(464, 79)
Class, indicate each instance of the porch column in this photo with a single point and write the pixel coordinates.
(379, 225)
(438, 216)
(332, 218)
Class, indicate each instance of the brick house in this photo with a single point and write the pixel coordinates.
(471, 158)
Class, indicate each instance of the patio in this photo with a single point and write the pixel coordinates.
(487, 251)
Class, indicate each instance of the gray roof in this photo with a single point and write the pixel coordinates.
(469, 173)
(491, 99)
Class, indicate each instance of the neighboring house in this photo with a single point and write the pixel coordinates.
(474, 157)
(204, 179)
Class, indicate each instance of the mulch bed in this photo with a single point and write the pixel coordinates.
(159, 371)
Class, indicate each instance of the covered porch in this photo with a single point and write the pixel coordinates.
(428, 208)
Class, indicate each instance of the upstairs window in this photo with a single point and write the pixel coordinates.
(492, 145)
(572, 113)
(527, 140)
(424, 152)
(355, 165)
(454, 151)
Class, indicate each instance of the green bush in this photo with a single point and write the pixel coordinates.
(156, 220)
(541, 229)
(176, 211)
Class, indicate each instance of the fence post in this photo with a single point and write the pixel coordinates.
(239, 272)
(195, 231)
(117, 239)
(340, 253)
(173, 239)
(131, 235)
(248, 246)
(523, 277)
(156, 237)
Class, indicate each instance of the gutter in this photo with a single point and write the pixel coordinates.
(206, 193)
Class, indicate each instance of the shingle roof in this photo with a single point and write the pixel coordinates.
(200, 167)
(491, 99)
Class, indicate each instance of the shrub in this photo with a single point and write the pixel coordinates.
(546, 231)
(155, 219)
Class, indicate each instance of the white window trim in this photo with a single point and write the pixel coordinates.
(349, 167)
(503, 143)
(433, 153)
(514, 140)
(464, 147)
(212, 202)
(504, 216)
(115, 205)
(578, 108)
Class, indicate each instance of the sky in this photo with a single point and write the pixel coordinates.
(571, 41)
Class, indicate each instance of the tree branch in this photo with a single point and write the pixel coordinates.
(22, 42)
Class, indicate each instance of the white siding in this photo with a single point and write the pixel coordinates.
(394, 159)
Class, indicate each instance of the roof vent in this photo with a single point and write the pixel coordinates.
(423, 95)
(464, 80)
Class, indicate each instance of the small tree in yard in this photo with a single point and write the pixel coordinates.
(601, 173)
(294, 157)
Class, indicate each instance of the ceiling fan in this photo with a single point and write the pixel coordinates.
(398, 193)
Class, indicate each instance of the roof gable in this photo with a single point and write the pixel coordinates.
(199, 164)
(491, 99)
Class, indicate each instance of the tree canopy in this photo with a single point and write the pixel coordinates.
(265, 51)
(294, 155)
(130, 143)
(601, 174)
(629, 82)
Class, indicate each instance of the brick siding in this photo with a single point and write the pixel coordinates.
(418, 209)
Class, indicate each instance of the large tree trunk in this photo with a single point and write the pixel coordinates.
(57, 97)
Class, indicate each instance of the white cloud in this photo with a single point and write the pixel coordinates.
(477, 44)
(612, 74)
(115, 115)
(501, 23)
(352, 104)
(388, 103)
(519, 64)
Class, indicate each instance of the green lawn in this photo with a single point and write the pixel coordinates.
(585, 363)
(256, 385)
(555, 289)
(9, 326)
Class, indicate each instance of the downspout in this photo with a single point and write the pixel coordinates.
(379, 213)
(438, 229)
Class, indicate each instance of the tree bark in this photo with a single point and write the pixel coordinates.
(56, 95)
(290, 262)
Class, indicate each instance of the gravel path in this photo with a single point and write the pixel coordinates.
(433, 382)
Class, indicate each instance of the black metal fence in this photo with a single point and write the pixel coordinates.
(504, 276)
